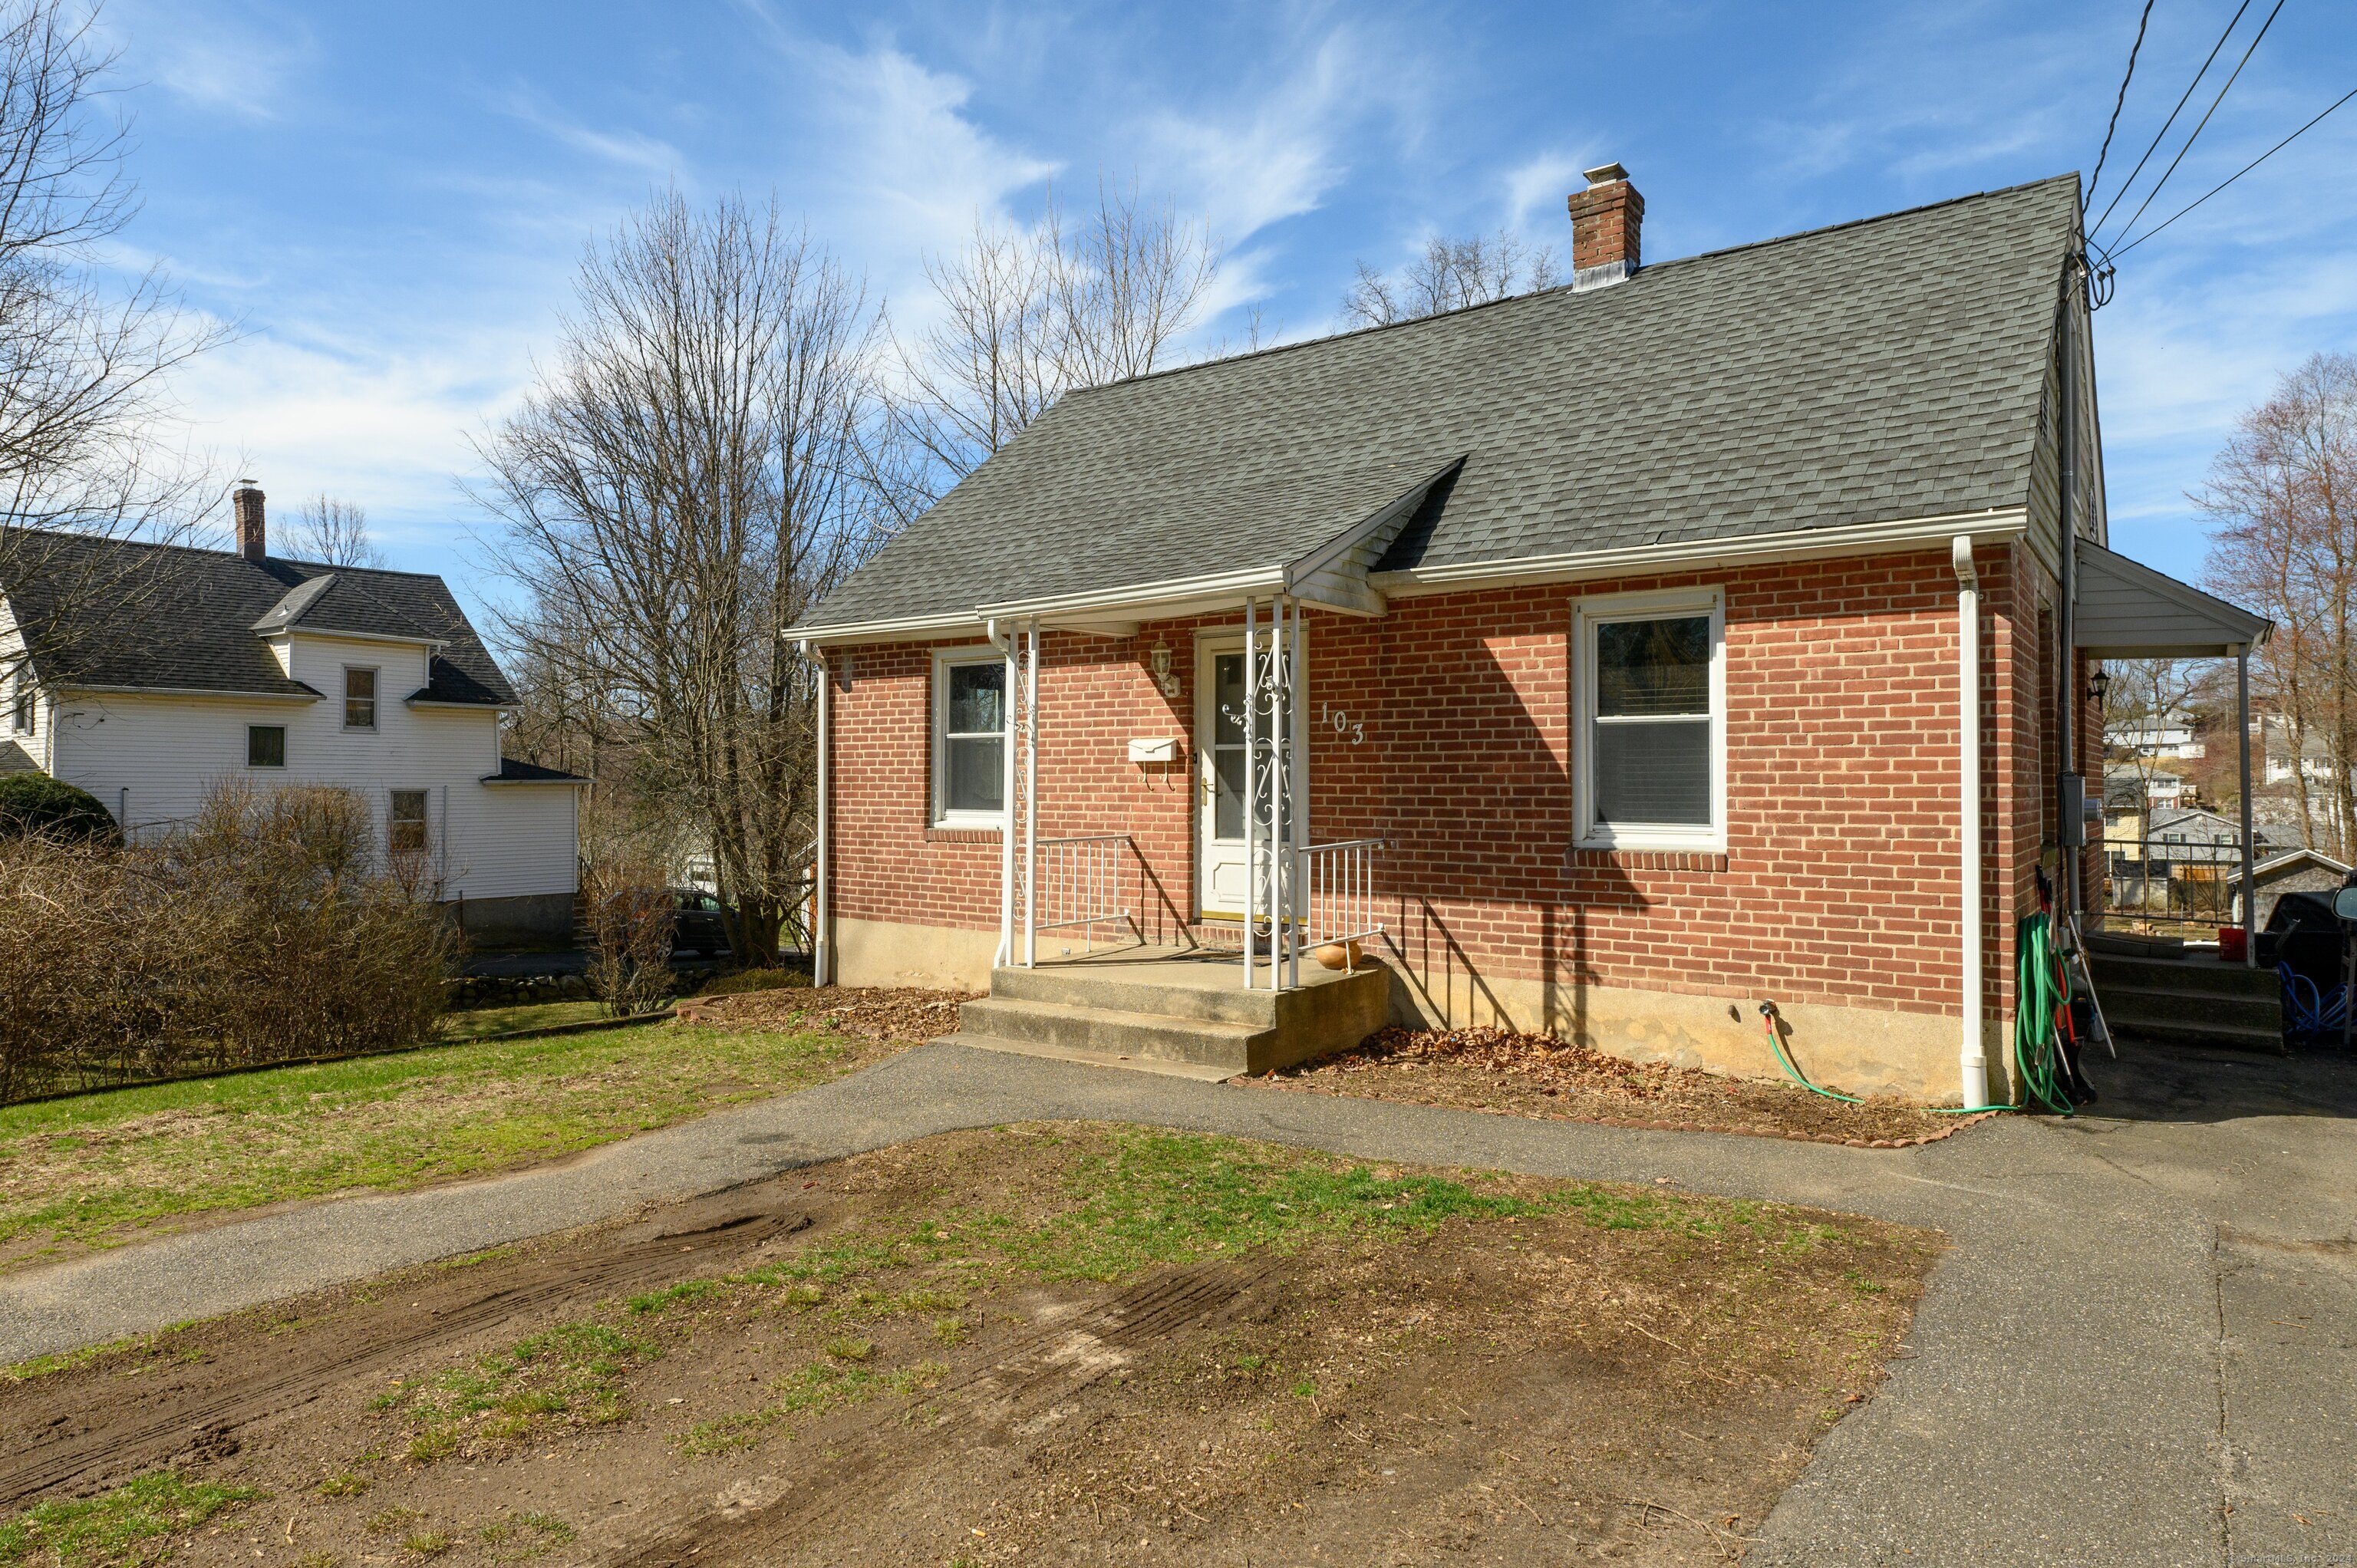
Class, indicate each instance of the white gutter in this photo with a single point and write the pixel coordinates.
(64, 690)
(1139, 594)
(1793, 544)
(1972, 1058)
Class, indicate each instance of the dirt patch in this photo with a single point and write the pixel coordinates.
(901, 1014)
(1032, 1343)
(1537, 1075)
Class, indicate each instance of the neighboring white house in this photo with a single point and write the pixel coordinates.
(243, 665)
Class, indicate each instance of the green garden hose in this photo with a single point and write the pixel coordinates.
(1775, 1043)
(2045, 995)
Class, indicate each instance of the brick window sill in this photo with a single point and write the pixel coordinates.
(961, 835)
(1649, 859)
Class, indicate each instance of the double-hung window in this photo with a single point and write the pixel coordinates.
(1650, 751)
(21, 708)
(405, 832)
(359, 698)
(970, 738)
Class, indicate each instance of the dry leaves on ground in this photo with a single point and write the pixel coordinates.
(1538, 1075)
(875, 1013)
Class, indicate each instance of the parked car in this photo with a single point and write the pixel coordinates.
(695, 923)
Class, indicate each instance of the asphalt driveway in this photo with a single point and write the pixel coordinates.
(2142, 1350)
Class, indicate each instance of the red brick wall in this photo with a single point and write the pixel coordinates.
(1839, 884)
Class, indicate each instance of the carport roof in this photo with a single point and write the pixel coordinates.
(2127, 610)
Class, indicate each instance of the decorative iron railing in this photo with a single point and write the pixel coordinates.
(1334, 893)
(1077, 883)
(2163, 882)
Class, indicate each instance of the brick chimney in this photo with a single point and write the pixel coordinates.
(253, 536)
(1604, 220)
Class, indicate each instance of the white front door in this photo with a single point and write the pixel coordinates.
(1224, 881)
(1225, 884)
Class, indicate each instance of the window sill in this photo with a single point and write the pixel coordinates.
(955, 832)
(1624, 857)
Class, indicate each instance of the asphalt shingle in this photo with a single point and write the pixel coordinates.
(191, 624)
(1886, 369)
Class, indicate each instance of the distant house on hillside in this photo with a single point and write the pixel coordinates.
(242, 665)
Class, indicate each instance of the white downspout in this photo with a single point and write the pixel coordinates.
(1972, 1058)
(1004, 643)
(822, 950)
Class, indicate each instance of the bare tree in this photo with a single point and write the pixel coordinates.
(333, 533)
(681, 484)
(2284, 492)
(1028, 314)
(1449, 275)
(85, 433)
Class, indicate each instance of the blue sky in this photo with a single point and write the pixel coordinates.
(391, 200)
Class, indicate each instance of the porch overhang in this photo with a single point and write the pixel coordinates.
(2127, 610)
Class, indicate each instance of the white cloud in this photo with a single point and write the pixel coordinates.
(628, 148)
(213, 62)
(1540, 186)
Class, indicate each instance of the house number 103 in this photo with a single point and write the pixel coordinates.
(1343, 723)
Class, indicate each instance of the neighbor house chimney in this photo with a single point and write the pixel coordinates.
(252, 537)
(1604, 220)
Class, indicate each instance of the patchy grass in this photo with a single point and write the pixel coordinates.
(568, 1376)
(474, 1022)
(91, 1171)
(130, 1525)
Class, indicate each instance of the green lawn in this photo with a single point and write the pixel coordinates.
(474, 1022)
(93, 1170)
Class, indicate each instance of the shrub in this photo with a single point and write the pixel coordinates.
(51, 807)
(262, 932)
(628, 912)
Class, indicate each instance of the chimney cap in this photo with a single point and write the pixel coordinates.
(1602, 173)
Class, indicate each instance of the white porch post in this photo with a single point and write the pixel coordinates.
(1004, 643)
(1297, 736)
(1031, 796)
(1251, 776)
(2250, 858)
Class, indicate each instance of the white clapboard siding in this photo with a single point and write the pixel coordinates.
(152, 758)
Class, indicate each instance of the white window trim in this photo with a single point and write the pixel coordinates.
(376, 699)
(1587, 614)
(938, 726)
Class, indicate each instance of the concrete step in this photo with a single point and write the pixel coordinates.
(1107, 1031)
(1198, 1071)
(2112, 972)
(2193, 1006)
(2132, 1024)
(1182, 1009)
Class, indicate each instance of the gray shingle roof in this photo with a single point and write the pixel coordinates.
(1886, 369)
(193, 624)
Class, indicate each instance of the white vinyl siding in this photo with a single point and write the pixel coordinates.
(158, 755)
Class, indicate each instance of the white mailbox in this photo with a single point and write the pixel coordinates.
(1164, 750)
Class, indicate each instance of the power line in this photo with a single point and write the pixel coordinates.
(2231, 178)
(2118, 103)
(2173, 113)
(2187, 147)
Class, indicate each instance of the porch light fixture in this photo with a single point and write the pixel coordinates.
(2101, 683)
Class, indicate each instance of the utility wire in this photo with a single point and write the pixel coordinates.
(2231, 178)
(2173, 113)
(2118, 103)
(2187, 147)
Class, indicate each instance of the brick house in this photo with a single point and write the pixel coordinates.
(1593, 655)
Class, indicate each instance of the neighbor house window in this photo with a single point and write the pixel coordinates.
(406, 832)
(360, 699)
(265, 745)
(969, 738)
(1651, 715)
(20, 707)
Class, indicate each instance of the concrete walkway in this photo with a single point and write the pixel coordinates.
(2143, 1348)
